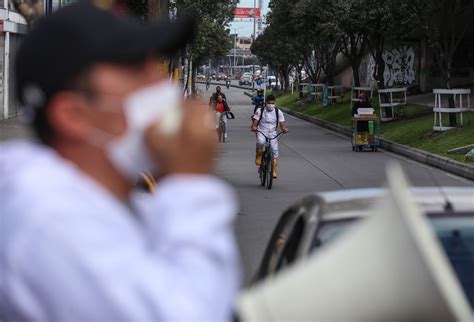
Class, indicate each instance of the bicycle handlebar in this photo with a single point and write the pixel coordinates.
(269, 139)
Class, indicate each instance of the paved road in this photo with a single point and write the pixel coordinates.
(311, 159)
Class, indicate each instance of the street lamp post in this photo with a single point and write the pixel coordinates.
(235, 50)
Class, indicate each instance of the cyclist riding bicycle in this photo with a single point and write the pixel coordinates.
(267, 119)
(258, 100)
(213, 99)
(220, 107)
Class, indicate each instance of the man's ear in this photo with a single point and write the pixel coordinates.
(67, 116)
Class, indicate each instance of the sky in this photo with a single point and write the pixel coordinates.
(246, 28)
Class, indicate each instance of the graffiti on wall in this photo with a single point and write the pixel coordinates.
(400, 67)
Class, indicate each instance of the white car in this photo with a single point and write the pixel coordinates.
(245, 79)
(272, 82)
(319, 219)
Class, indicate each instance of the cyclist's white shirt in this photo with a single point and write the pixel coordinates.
(268, 123)
(72, 252)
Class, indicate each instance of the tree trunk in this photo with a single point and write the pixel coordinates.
(331, 70)
(193, 80)
(187, 81)
(356, 74)
(452, 104)
(300, 87)
(157, 9)
(285, 79)
(379, 70)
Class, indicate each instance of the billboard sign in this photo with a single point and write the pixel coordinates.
(247, 12)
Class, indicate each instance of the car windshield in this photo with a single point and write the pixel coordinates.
(455, 232)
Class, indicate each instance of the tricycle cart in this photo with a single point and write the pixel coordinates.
(365, 132)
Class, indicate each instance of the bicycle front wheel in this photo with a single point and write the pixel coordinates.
(224, 131)
(269, 173)
(219, 134)
(262, 171)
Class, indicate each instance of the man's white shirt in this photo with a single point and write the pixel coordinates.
(268, 123)
(70, 251)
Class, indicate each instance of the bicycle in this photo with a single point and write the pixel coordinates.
(265, 171)
(222, 130)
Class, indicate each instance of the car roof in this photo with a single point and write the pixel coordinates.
(344, 204)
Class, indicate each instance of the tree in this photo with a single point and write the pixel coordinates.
(350, 16)
(320, 35)
(387, 21)
(278, 46)
(440, 22)
(274, 50)
(306, 23)
(212, 40)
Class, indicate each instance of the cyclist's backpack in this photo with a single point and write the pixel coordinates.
(277, 116)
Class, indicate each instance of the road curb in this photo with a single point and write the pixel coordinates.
(443, 163)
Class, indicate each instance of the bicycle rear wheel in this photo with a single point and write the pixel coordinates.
(269, 173)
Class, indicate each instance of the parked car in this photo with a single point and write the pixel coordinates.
(317, 220)
(200, 76)
(246, 79)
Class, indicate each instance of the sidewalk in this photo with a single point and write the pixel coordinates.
(428, 98)
(13, 128)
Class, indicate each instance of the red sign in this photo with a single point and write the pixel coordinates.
(246, 12)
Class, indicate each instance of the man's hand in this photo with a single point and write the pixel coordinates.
(285, 130)
(253, 128)
(191, 149)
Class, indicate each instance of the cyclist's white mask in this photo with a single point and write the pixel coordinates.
(128, 152)
(270, 107)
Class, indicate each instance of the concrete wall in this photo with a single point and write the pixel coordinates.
(412, 65)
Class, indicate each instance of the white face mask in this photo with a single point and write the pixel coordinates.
(142, 108)
(270, 107)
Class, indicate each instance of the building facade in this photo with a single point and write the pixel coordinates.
(12, 28)
(243, 42)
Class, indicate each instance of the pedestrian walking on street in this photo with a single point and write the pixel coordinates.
(77, 242)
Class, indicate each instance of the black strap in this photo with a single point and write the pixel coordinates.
(277, 116)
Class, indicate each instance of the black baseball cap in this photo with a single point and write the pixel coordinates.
(62, 45)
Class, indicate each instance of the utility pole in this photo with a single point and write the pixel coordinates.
(235, 50)
(254, 36)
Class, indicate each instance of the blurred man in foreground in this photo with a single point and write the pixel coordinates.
(76, 243)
